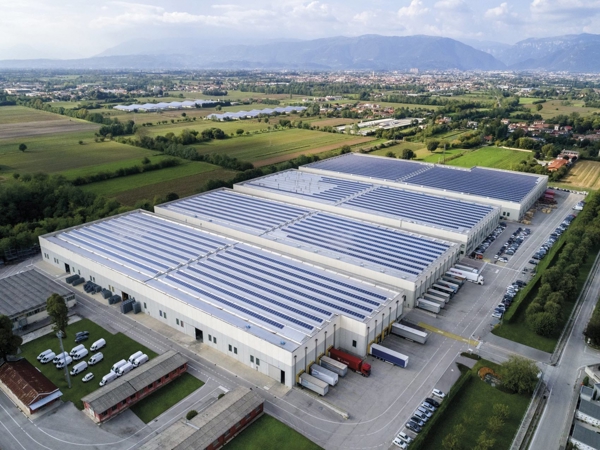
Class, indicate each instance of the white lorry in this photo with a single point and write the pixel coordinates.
(469, 276)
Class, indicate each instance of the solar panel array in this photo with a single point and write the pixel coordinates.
(255, 113)
(303, 184)
(276, 292)
(362, 243)
(143, 243)
(162, 106)
(502, 185)
(238, 211)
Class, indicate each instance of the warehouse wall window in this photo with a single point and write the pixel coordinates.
(235, 350)
(160, 312)
(165, 314)
(210, 338)
(177, 321)
(257, 362)
(251, 358)
(145, 307)
(230, 347)
(353, 343)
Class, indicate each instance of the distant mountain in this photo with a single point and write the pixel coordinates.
(571, 53)
(369, 52)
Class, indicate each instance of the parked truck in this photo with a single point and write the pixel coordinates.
(412, 334)
(453, 279)
(323, 374)
(353, 362)
(445, 289)
(467, 268)
(439, 294)
(335, 366)
(448, 284)
(428, 305)
(314, 384)
(435, 299)
(469, 276)
(389, 355)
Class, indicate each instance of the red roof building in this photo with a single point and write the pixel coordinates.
(26, 386)
(557, 164)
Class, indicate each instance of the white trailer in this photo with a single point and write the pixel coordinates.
(412, 334)
(428, 305)
(449, 284)
(453, 279)
(469, 276)
(435, 299)
(314, 384)
(323, 374)
(443, 295)
(440, 287)
(467, 268)
(335, 366)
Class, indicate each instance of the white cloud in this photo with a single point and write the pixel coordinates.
(458, 6)
(415, 9)
(498, 12)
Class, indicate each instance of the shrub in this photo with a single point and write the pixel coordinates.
(191, 414)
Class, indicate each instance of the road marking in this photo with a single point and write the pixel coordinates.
(447, 334)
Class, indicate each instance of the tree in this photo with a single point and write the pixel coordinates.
(390, 154)
(183, 115)
(16, 175)
(495, 424)
(433, 145)
(345, 149)
(484, 442)
(407, 153)
(9, 343)
(501, 410)
(450, 442)
(22, 147)
(239, 131)
(172, 196)
(539, 107)
(519, 374)
(58, 312)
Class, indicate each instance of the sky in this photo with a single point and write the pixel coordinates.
(74, 29)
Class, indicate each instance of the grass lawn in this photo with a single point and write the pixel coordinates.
(494, 157)
(528, 100)
(474, 402)
(268, 433)
(554, 108)
(397, 149)
(111, 188)
(199, 125)
(19, 114)
(157, 403)
(118, 346)
(113, 166)
(437, 157)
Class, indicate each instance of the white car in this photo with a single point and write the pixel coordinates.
(399, 443)
(88, 376)
(404, 437)
(503, 259)
(497, 315)
(438, 393)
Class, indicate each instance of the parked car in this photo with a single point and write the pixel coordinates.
(533, 261)
(88, 376)
(81, 333)
(399, 443)
(81, 338)
(438, 393)
(417, 421)
(497, 315)
(503, 259)
(413, 426)
(432, 402)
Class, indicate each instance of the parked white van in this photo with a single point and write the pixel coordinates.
(125, 368)
(98, 345)
(80, 354)
(96, 358)
(75, 349)
(59, 357)
(64, 362)
(79, 367)
(108, 378)
(49, 357)
(141, 360)
(44, 353)
(117, 365)
(135, 356)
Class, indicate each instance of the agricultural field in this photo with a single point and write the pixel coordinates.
(21, 114)
(584, 174)
(441, 157)
(409, 105)
(554, 108)
(114, 166)
(397, 149)
(333, 122)
(199, 125)
(270, 148)
(528, 100)
(494, 157)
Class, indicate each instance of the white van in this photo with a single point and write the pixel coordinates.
(117, 365)
(47, 358)
(125, 368)
(96, 359)
(98, 345)
(44, 353)
(135, 356)
(108, 378)
(75, 349)
(60, 357)
(64, 362)
(80, 354)
(79, 367)
(141, 360)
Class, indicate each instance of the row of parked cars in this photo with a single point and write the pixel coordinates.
(509, 295)
(513, 244)
(546, 246)
(480, 250)
(419, 418)
(122, 367)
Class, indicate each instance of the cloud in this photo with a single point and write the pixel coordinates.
(498, 12)
(456, 6)
(415, 9)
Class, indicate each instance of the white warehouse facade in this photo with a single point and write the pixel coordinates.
(272, 312)
(513, 192)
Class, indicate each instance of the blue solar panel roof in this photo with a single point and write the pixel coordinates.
(501, 185)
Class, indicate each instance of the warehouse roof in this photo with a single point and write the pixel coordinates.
(27, 383)
(586, 436)
(255, 112)
(478, 181)
(591, 409)
(26, 291)
(415, 207)
(108, 396)
(209, 424)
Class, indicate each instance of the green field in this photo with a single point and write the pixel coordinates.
(118, 346)
(154, 405)
(199, 125)
(61, 152)
(268, 433)
(553, 108)
(528, 100)
(472, 407)
(438, 157)
(494, 157)
(113, 166)
(19, 114)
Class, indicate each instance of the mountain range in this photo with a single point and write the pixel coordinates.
(572, 53)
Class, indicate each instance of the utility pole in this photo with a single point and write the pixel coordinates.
(62, 349)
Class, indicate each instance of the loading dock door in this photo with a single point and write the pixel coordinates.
(282, 380)
(199, 335)
(67, 268)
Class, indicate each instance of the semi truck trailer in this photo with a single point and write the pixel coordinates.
(353, 362)
(450, 285)
(453, 279)
(439, 294)
(445, 289)
(314, 384)
(435, 299)
(467, 268)
(335, 366)
(409, 333)
(323, 374)
(428, 305)
(469, 276)
(388, 355)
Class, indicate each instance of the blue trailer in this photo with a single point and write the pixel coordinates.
(381, 352)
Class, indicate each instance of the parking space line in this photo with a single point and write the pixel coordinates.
(447, 334)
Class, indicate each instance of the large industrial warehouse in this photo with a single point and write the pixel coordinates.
(466, 223)
(513, 192)
(268, 311)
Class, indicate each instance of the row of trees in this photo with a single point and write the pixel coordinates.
(146, 166)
